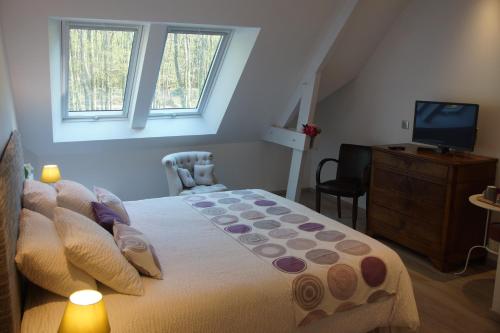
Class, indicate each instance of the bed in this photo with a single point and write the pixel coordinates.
(214, 279)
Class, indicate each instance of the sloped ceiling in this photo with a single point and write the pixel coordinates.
(289, 29)
(364, 30)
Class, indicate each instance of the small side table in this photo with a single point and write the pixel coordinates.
(489, 208)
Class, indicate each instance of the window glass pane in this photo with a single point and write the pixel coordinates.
(98, 68)
(184, 69)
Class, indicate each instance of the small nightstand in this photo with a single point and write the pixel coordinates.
(474, 199)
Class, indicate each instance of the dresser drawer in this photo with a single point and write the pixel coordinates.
(392, 223)
(408, 187)
(417, 209)
(411, 166)
(420, 200)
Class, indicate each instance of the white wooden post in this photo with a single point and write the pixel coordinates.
(305, 96)
(307, 109)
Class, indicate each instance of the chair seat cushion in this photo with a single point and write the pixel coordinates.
(204, 189)
(343, 187)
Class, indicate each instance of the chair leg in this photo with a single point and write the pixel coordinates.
(318, 201)
(354, 211)
(339, 209)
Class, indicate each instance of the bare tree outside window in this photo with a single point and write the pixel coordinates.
(185, 69)
(98, 67)
(100, 64)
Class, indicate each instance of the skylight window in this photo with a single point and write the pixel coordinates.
(128, 80)
(190, 62)
(99, 67)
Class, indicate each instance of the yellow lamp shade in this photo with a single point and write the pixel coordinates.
(85, 313)
(50, 174)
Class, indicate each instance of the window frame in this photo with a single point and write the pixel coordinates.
(66, 26)
(210, 80)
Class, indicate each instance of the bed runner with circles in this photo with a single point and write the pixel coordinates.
(329, 271)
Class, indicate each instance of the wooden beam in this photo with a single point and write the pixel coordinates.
(285, 137)
(293, 107)
(308, 102)
(306, 97)
(318, 60)
(294, 177)
(306, 115)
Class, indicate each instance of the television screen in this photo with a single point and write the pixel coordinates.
(442, 124)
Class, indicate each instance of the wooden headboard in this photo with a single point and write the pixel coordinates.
(11, 188)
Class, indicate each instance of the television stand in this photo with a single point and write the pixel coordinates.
(439, 150)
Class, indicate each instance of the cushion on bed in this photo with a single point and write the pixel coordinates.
(39, 197)
(186, 178)
(112, 201)
(105, 216)
(40, 257)
(137, 249)
(91, 248)
(204, 174)
(76, 197)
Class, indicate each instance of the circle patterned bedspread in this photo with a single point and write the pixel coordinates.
(330, 267)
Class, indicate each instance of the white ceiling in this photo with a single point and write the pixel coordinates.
(289, 29)
(364, 30)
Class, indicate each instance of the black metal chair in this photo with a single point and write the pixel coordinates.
(353, 177)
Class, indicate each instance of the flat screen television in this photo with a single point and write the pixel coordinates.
(446, 125)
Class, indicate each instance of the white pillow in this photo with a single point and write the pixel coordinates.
(112, 201)
(186, 178)
(204, 174)
(76, 197)
(39, 197)
(93, 249)
(40, 257)
(137, 249)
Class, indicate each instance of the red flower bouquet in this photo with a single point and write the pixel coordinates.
(311, 131)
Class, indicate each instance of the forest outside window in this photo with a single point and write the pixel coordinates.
(98, 69)
(114, 79)
(190, 63)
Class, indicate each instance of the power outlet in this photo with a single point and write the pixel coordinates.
(405, 124)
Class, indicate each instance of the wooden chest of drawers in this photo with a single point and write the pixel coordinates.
(420, 200)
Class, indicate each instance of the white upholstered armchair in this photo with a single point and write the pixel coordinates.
(187, 160)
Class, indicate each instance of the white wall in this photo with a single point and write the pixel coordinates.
(138, 173)
(436, 50)
(131, 167)
(288, 30)
(7, 114)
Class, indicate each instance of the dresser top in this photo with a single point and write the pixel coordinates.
(454, 158)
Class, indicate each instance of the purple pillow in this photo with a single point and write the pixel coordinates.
(105, 216)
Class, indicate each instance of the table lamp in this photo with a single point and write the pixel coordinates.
(50, 174)
(85, 313)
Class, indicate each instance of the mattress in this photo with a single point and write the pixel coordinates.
(212, 283)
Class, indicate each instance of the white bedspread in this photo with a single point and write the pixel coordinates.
(213, 284)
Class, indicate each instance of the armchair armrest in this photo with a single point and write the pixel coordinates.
(320, 166)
